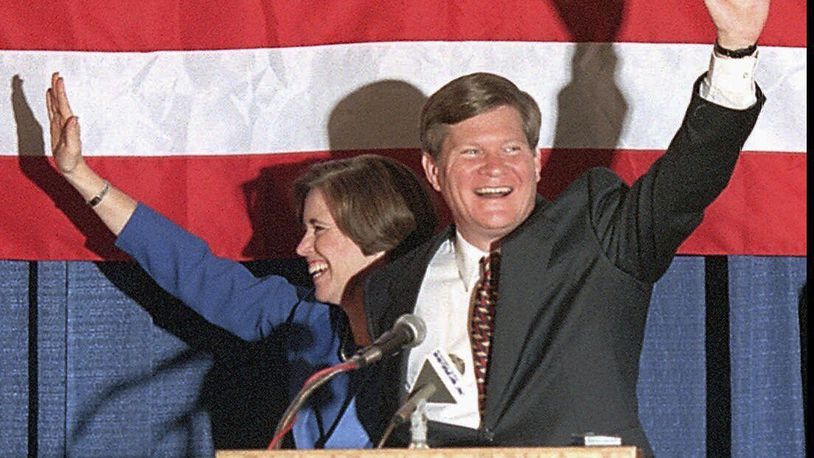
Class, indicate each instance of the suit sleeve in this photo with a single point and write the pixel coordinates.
(223, 291)
(642, 226)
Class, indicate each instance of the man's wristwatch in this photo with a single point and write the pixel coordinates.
(735, 53)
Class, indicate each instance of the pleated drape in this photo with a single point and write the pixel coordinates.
(96, 360)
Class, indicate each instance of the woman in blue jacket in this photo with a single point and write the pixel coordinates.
(357, 213)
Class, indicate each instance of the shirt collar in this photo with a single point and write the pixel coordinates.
(467, 258)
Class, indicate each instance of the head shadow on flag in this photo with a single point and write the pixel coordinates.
(380, 113)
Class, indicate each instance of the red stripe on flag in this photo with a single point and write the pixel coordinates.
(101, 25)
(241, 204)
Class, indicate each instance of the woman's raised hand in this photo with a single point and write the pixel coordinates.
(111, 205)
(65, 143)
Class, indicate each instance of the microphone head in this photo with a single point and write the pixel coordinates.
(415, 325)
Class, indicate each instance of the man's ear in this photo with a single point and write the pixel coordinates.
(538, 164)
(430, 170)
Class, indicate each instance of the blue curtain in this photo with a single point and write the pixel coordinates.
(14, 378)
(767, 404)
(672, 378)
(96, 360)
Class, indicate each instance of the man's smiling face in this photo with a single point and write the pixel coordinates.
(487, 173)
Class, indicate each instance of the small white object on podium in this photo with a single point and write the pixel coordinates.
(481, 452)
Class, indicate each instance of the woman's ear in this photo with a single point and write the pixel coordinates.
(378, 255)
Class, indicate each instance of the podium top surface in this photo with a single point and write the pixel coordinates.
(483, 452)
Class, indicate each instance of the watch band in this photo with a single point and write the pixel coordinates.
(735, 53)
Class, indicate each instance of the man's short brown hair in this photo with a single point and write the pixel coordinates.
(378, 202)
(469, 96)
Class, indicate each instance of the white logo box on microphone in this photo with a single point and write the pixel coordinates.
(439, 370)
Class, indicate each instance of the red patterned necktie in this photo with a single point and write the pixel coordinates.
(481, 322)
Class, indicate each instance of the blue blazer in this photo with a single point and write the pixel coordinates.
(228, 295)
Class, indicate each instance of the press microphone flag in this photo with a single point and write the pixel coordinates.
(440, 371)
(408, 331)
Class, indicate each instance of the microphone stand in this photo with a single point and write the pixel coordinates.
(315, 381)
(408, 331)
(406, 411)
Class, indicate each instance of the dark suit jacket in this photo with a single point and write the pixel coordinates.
(575, 285)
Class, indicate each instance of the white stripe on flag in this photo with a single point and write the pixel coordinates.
(281, 100)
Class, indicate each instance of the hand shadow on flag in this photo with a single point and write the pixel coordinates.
(590, 108)
(36, 166)
(380, 117)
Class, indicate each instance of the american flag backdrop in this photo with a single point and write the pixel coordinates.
(207, 110)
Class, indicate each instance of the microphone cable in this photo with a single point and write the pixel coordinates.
(315, 381)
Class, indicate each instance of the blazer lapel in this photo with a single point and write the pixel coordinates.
(390, 293)
(393, 290)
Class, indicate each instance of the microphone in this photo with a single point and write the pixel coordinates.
(438, 381)
(408, 331)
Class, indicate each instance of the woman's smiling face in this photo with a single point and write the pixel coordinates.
(332, 257)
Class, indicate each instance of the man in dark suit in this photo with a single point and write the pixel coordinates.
(575, 275)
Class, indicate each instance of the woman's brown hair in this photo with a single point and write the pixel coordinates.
(378, 202)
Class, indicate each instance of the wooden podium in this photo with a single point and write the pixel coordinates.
(482, 452)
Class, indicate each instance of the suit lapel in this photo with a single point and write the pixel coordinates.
(525, 256)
